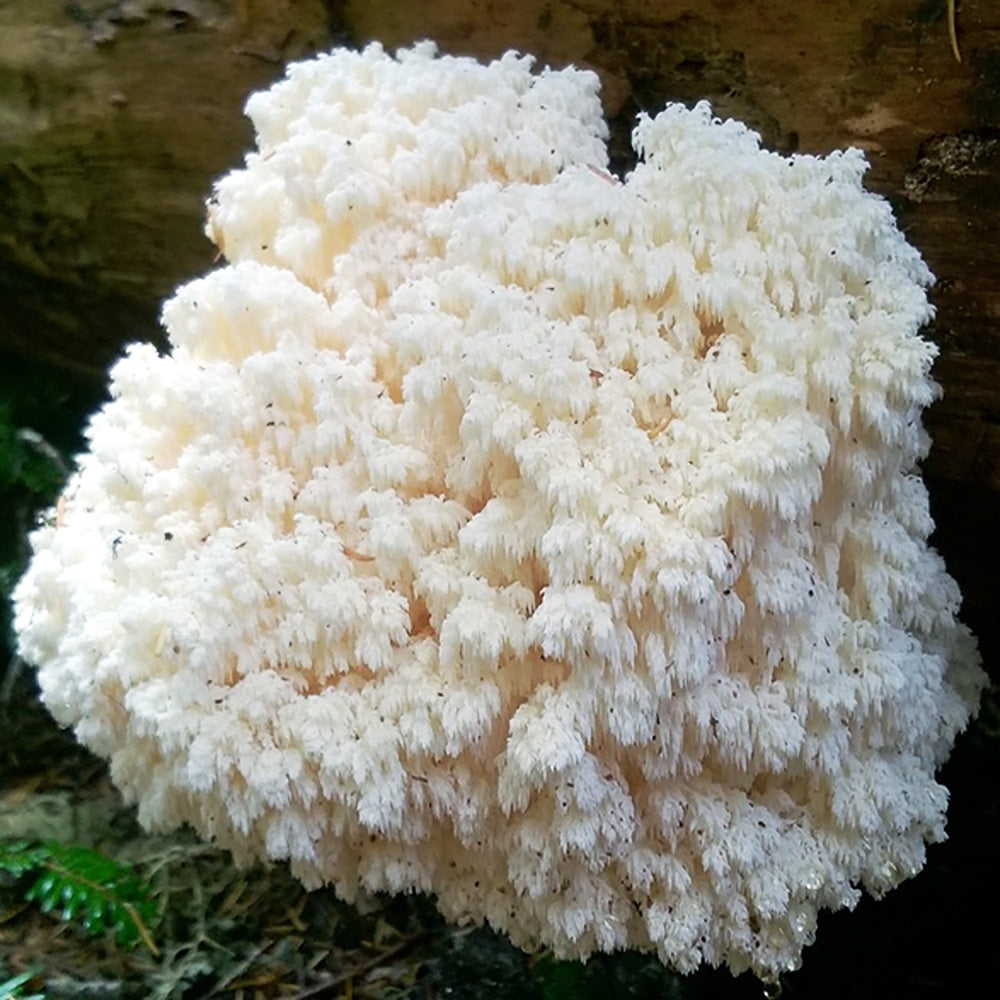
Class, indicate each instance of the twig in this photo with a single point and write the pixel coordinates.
(238, 971)
(147, 938)
(327, 988)
(952, 33)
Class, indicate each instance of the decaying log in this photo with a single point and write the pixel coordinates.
(114, 120)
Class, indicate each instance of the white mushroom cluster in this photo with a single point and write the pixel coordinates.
(498, 529)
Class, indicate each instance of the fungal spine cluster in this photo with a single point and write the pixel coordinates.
(552, 545)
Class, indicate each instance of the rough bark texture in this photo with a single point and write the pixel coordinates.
(114, 119)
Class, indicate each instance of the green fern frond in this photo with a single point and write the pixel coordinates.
(11, 989)
(80, 884)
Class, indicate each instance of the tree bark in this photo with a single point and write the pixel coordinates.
(114, 119)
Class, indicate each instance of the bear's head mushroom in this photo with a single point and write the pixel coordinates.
(501, 530)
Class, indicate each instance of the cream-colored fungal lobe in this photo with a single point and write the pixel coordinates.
(498, 529)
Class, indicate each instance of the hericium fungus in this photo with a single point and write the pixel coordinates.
(500, 530)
